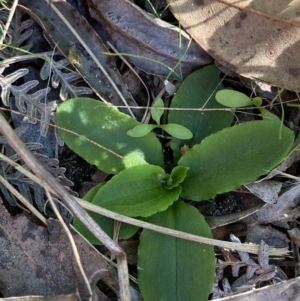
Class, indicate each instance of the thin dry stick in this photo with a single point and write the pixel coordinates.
(53, 186)
(11, 14)
(250, 248)
(17, 194)
(144, 119)
(72, 242)
(235, 110)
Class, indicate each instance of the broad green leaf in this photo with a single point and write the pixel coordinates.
(157, 110)
(141, 130)
(106, 127)
(178, 174)
(233, 99)
(173, 269)
(234, 156)
(177, 131)
(137, 191)
(107, 224)
(198, 91)
(79, 226)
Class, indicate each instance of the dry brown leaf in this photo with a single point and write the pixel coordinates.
(283, 291)
(295, 236)
(154, 45)
(271, 236)
(285, 210)
(266, 190)
(76, 41)
(251, 204)
(257, 39)
(39, 261)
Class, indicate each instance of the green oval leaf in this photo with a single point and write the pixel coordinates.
(141, 130)
(198, 91)
(106, 127)
(177, 131)
(233, 99)
(137, 191)
(177, 269)
(234, 156)
(157, 110)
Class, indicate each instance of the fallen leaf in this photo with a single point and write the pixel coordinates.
(39, 261)
(76, 46)
(271, 236)
(152, 44)
(285, 210)
(257, 39)
(285, 290)
(263, 255)
(266, 190)
(251, 203)
(295, 236)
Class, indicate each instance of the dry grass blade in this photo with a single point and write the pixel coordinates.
(50, 183)
(72, 242)
(23, 200)
(145, 118)
(250, 248)
(11, 14)
(92, 54)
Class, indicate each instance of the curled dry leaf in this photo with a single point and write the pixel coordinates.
(266, 190)
(154, 46)
(77, 40)
(285, 210)
(257, 39)
(285, 290)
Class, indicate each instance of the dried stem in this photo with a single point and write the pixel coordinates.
(50, 183)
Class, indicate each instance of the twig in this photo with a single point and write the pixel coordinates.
(72, 242)
(17, 194)
(250, 248)
(50, 183)
(11, 14)
(144, 119)
(90, 52)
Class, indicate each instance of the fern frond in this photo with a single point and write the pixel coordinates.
(6, 81)
(29, 189)
(65, 79)
(19, 35)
